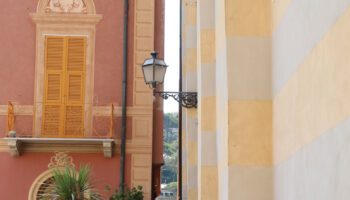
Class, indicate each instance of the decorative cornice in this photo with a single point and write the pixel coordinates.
(18, 145)
(131, 147)
(65, 18)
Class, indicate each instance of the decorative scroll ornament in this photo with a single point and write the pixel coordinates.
(61, 159)
(66, 6)
(186, 99)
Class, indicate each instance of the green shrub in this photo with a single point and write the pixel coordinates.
(128, 194)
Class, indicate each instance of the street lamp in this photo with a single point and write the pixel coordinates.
(154, 71)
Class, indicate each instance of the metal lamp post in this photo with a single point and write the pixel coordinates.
(154, 72)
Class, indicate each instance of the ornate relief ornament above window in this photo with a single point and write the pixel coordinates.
(66, 6)
(66, 11)
(61, 159)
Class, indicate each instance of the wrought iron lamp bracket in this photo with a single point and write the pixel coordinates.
(186, 99)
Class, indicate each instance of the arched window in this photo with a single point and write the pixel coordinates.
(41, 186)
(46, 190)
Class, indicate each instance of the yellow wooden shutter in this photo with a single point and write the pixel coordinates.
(63, 114)
(54, 72)
(74, 109)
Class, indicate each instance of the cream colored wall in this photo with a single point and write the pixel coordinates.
(280, 94)
(234, 83)
(248, 50)
(207, 145)
(311, 108)
(190, 128)
(221, 100)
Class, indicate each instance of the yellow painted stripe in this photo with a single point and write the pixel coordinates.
(184, 174)
(183, 32)
(250, 133)
(191, 60)
(248, 18)
(184, 138)
(208, 116)
(191, 14)
(317, 96)
(209, 182)
(207, 44)
(192, 149)
(191, 113)
(192, 194)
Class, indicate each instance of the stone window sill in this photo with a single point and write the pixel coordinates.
(18, 145)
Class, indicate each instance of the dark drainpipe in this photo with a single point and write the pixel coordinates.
(125, 56)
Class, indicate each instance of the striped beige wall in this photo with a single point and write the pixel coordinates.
(275, 125)
(311, 106)
(248, 58)
(221, 99)
(207, 149)
(190, 139)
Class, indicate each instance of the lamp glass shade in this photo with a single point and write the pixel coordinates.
(159, 73)
(148, 73)
(154, 70)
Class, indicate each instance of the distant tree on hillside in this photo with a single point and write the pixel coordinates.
(170, 130)
(170, 147)
(171, 120)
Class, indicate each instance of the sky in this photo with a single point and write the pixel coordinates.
(171, 48)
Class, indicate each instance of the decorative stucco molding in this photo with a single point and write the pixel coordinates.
(64, 19)
(107, 149)
(18, 145)
(14, 147)
(61, 159)
(132, 147)
(66, 6)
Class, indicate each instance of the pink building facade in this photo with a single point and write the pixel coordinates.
(84, 39)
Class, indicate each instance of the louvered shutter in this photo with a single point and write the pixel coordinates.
(54, 72)
(74, 108)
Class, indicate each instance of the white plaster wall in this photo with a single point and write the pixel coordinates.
(319, 171)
